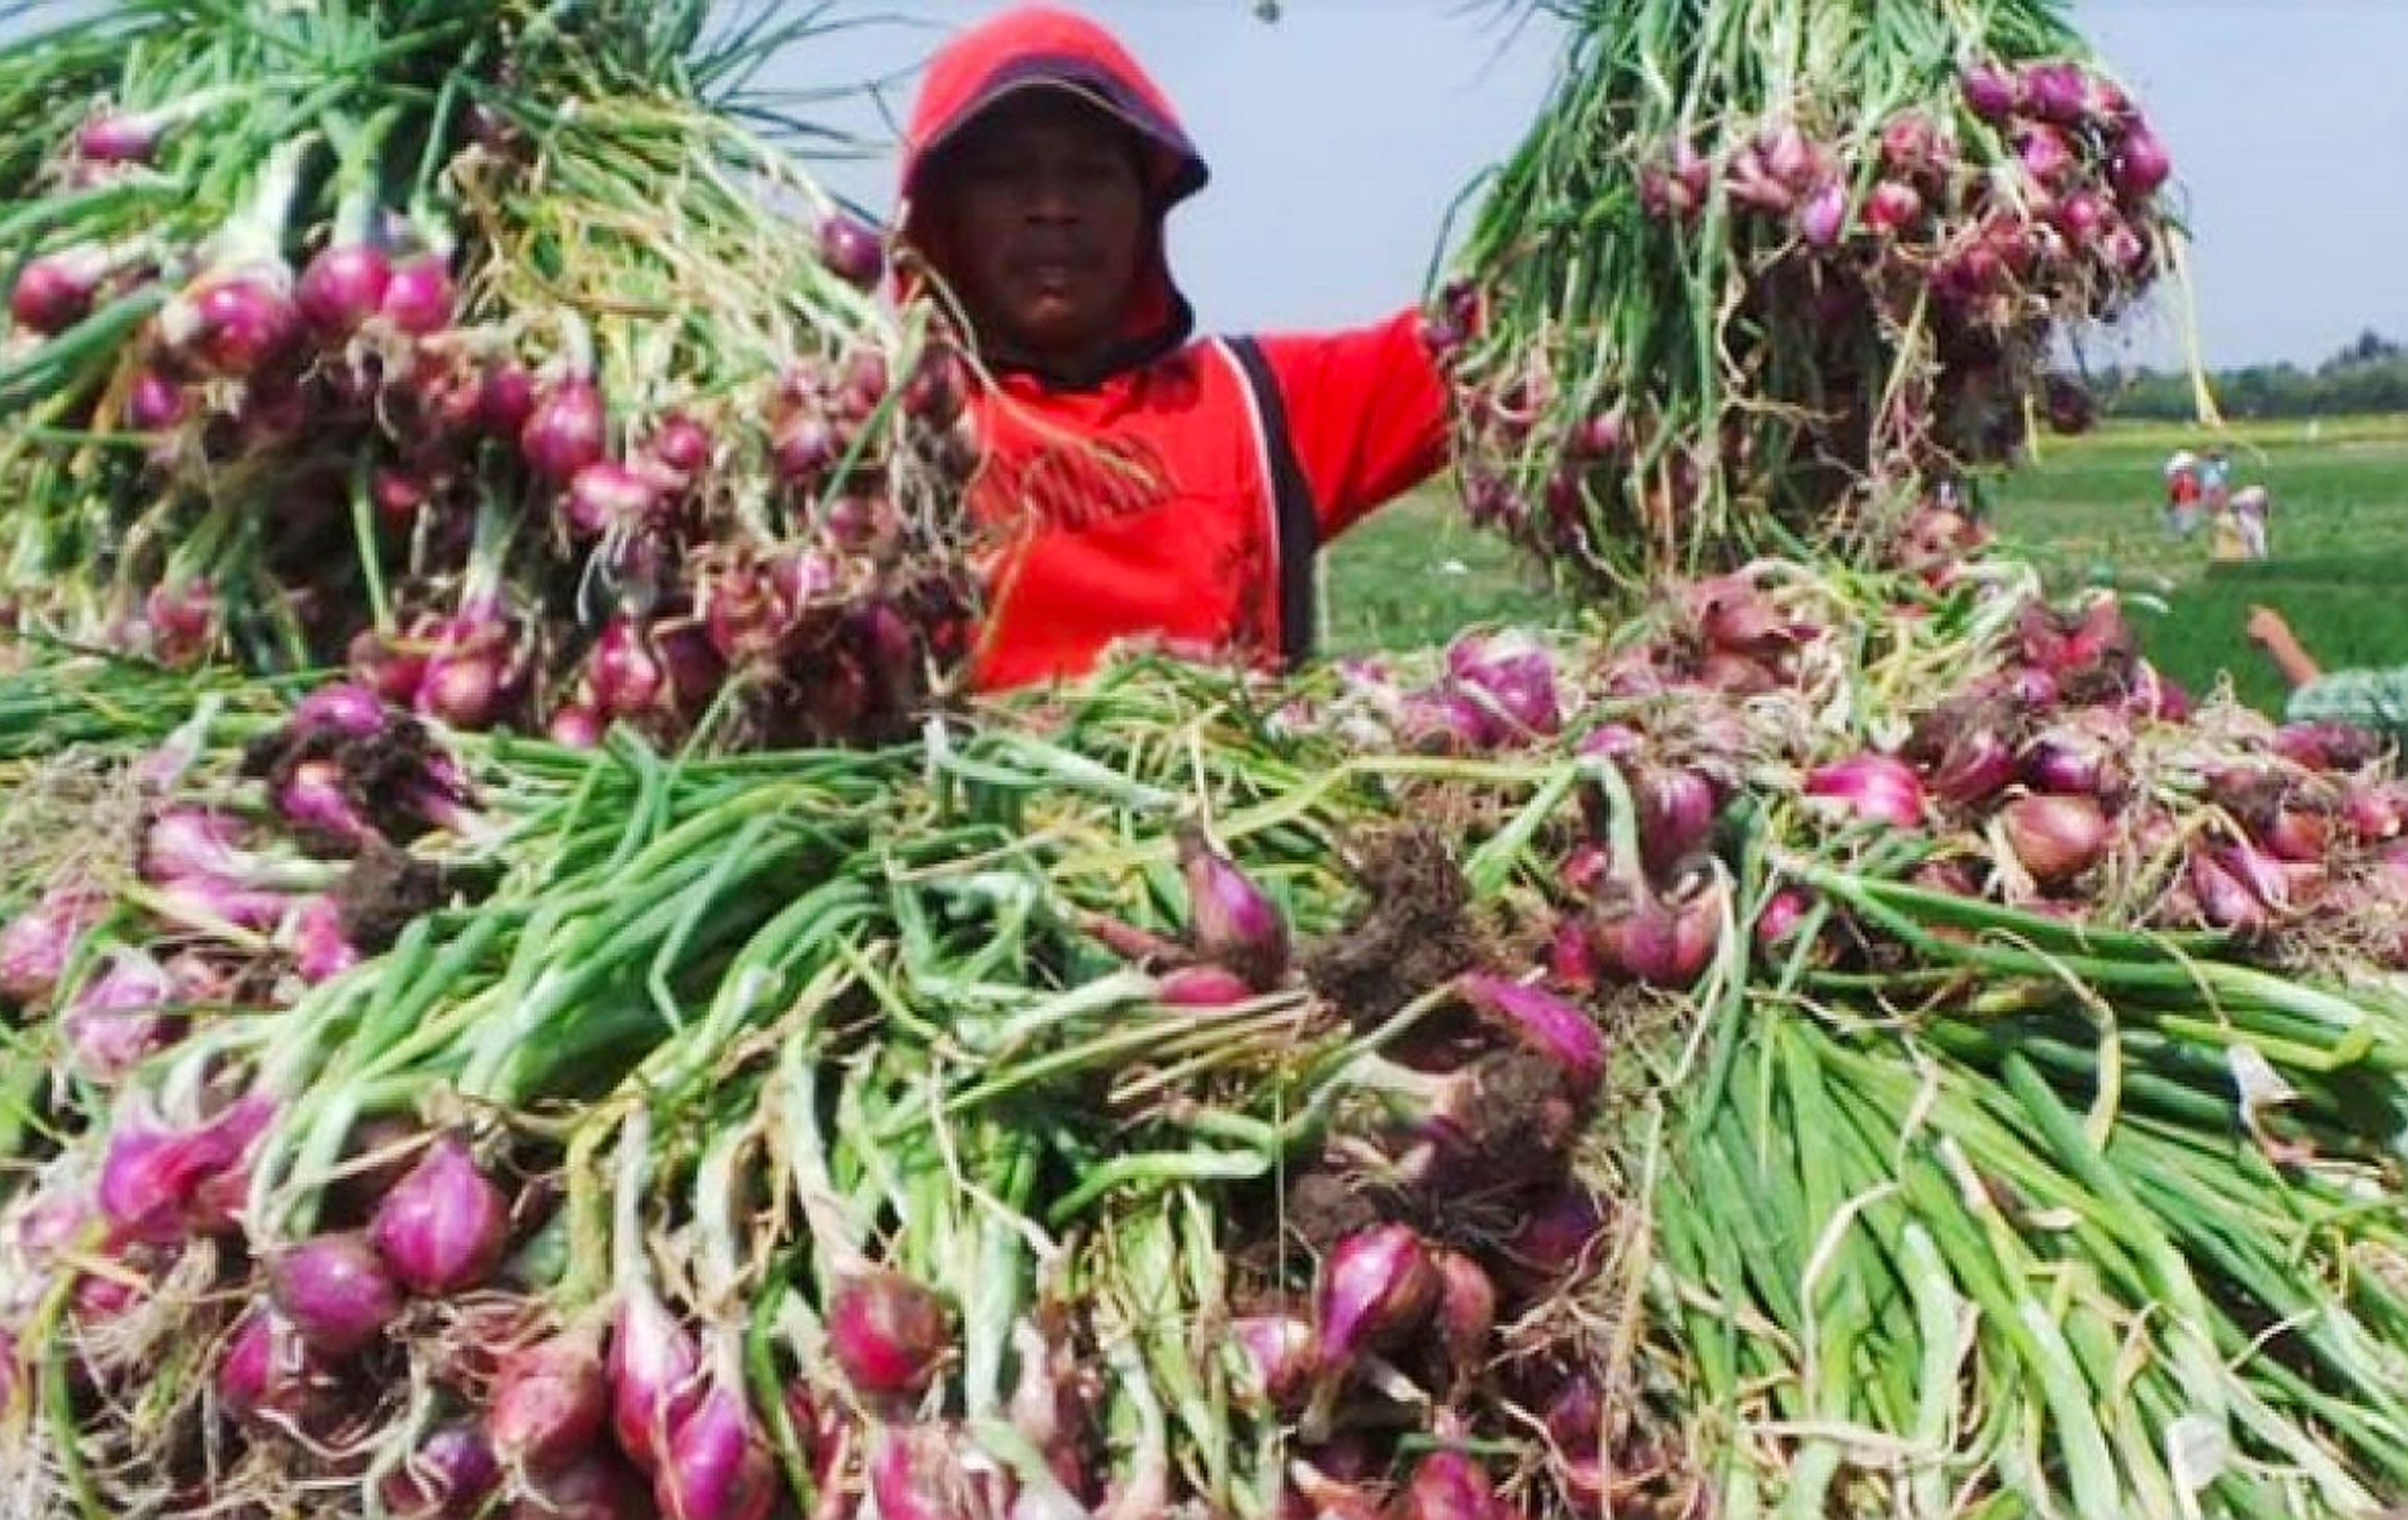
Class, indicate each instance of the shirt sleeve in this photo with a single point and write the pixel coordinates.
(2376, 699)
(1367, 412)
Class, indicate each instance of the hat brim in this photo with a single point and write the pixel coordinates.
(1175, 169)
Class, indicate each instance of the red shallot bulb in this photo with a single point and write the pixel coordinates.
(549, 1400)
(192, 842)
(2224, 900)
(154, 403)
(934, 392)
(506, 400)
(2375, 813)
(1378, 1287)
(1892, 205)
(114, 1019)
(417, 300)
(1871, 785)
(1202, 986)
(2139, 166)
(315, 795)
(804, 449)
(2057, 92)
(654, 1369)
(55, 290)
(1547, 1023)
(246, 1362)
(1232, 922)
(334, 1290)
(447, 1476)
(887, 1333)
(2046, 157)
(1444, 722)
(154, 1180)
(2055, 835)
(564, 432)
(267, 1370)
(916, 1473)
(584, 1484)
(1676, 810)
(681, 444)
(117, 138)
(606, 498)
(1559, 1236)
(622, 673)
(1910, 144)
(1654, 938)
(1512, 679)
(342, 706)
(1450, 1485)
(853, 249)
(577, 725)
(1974, 765)
(1781, 917)
(233, 324)
(1992, 92)
(718, 1464)
(35, 944)
(1569, 961)
(1823, 214)
(1280, 1353)
(343, 287)
(445, 1226)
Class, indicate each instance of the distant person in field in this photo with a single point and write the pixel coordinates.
(2224, 542)
(2250, 508)
(2215, 481)
(2182, 493)
(2375, 699)
(1136, 483)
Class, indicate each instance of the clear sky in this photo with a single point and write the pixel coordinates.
(1339, 136)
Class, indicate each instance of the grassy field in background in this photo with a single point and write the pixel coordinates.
(2340, 535)
(1418, 571)
(2086, 509)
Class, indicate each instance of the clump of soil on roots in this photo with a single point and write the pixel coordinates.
(382, 892)
(1412, 932)
(1520, 1124)
(383, 773)
(1323, 1208)
(1280, 1229)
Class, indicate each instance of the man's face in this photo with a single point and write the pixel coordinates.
(1046, 215)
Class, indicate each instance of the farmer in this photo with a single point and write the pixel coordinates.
(2224, 542)
(1136, 483)
(2375, 699)
(2214, 480)
(2250, 508)
(2182, 493)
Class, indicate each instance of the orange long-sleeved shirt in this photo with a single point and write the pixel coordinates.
(1144, 507)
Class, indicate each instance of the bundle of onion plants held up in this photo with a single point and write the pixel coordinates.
(497, 348)
(1539, 1079)
(1768, 272)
